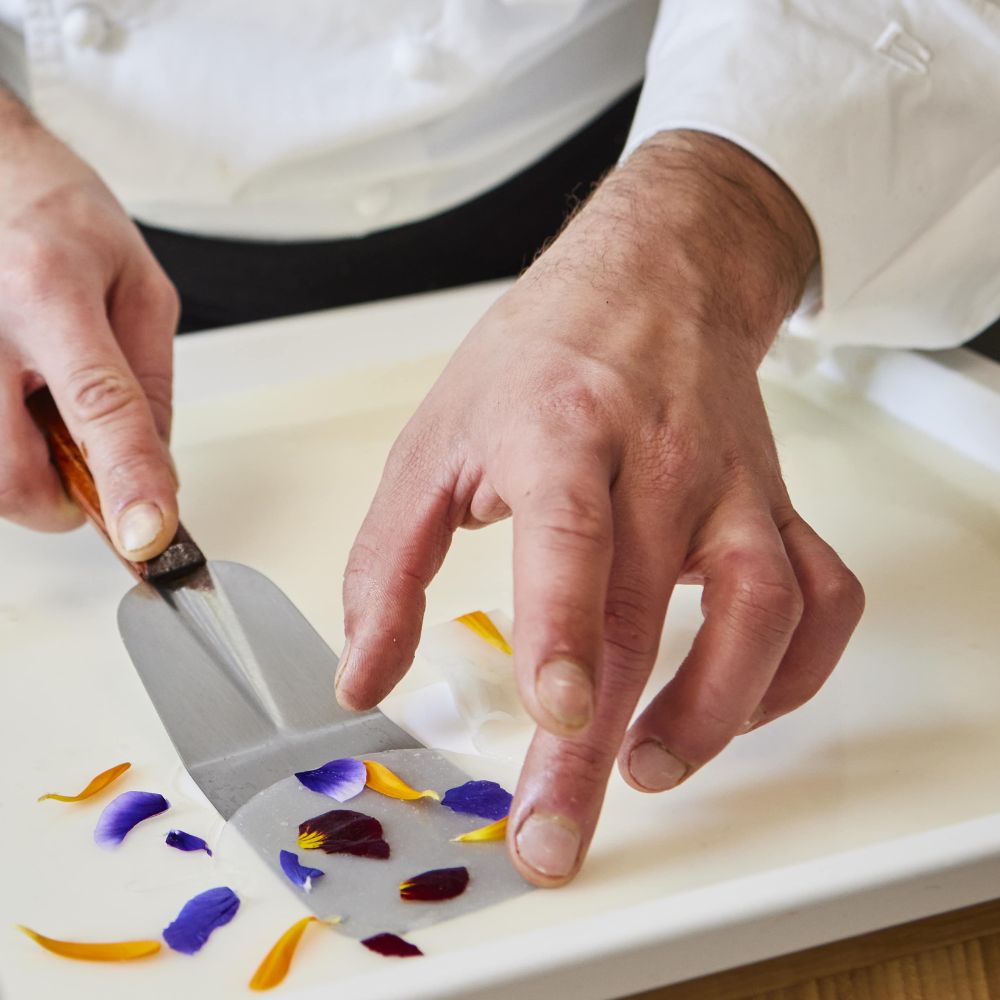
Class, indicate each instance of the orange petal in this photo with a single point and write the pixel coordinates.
(495, 831)
(277, 961)
(96, 785)
(112, 951)
(482, 625)
(381, 779)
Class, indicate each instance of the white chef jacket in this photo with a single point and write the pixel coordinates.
(307, 119)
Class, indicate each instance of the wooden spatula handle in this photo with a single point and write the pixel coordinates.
(181, 557)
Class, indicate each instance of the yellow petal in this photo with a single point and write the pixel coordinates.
(112, 951)
(495, 831)
(277, 961)
(96, 785)
(381, 779)
(482, 625)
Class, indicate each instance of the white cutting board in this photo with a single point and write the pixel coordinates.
(876, 803)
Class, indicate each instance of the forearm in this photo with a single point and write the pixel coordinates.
(693, 218)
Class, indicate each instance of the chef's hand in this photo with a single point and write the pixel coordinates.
(609, 401)
(85, 309)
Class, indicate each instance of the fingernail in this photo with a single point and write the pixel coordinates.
(564, 690)
(342, 666)
(139, 526)
(549, 844)
(654, 767)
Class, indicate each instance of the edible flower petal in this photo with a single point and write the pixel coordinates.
(495, 831)
(483, 626)
(479, 798)
(341, 779)
(277, 961)
(391, 944)
(199, 917)
(97, 784)
(342, 831)
(437, 884)
(298, 874)
(111, 951)
(187, 842)
(384, 781)
(124, 812)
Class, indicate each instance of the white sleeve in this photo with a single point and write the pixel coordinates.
(883, 116)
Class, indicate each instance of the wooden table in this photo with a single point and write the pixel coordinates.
(953, 956)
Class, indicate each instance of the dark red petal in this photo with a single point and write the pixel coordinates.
(390, 944)
(439, 883)
(343, 831)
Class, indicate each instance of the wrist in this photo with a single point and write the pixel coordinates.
(701, 226)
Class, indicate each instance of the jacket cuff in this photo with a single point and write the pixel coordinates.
(880, 120)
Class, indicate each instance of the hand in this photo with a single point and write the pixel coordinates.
(85, 309)
(609, 401)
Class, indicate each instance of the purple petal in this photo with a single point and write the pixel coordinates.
(124, 812)
(340, 779)
(187, 842)
(199, 917)
(479, 798)
(300, 875)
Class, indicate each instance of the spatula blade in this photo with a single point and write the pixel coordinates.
(243, 683)
(364, 892)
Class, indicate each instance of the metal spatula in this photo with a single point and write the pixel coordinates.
(244, 686)
(242, 682)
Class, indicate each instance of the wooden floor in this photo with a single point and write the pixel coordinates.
(954, 956)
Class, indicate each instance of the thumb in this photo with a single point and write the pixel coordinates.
(109, 415)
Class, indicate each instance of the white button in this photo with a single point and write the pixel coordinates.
(86, 26)
(374, 201)
(417, 58)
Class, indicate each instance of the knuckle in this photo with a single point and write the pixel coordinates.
(583, 765)
(160, 296)
(389, 572)
(36, 269)
(573, 401)
(98, 393)
(574, 520)
(361, 561)
(629, 626)
(125, 472)
(409, 456)
(766, 603)
(840, 593)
